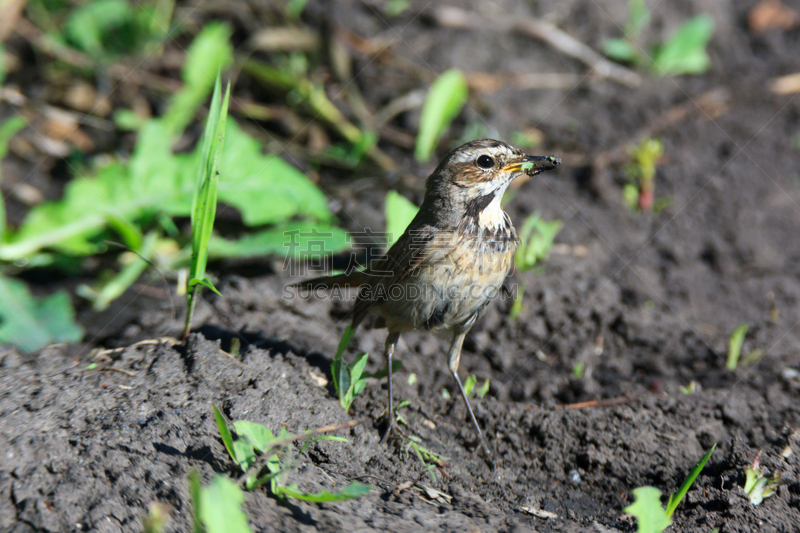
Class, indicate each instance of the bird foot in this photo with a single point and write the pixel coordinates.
(393, 430)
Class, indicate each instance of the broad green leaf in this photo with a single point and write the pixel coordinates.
(357, 383)
(224, 432)
(357, 368)
(221, 507)
(685, 51)
(296, 240)
(209, 53)
(353, 490)
(620, 50)
(399, 214)
(444, 101)
(650, 516)
(264, 188)
(675, 498)
(29, 323)
(87, 26)
(245, 453)
(261, 437)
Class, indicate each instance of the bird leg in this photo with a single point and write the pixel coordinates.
(391, 342)
(453, 359)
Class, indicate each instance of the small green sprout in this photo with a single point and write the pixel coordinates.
(691, 388)
(757, 485)
(349, 380)
(735, 343)
(651, 517)
(412, 378)
(400, 405)
(469, 387)
(578, 369)
(156, 519)
(256, 440)
(536, 239)
(430, 460)
(683, 53)
(392, 8)
(484, 389)
(639, 192)
(517, 306)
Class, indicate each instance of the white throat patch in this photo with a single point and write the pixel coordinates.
(493, 215)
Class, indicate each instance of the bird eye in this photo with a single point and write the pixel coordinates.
(485, 162)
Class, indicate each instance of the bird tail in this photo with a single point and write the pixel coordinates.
(353, 279)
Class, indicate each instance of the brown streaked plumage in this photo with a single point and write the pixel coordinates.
(452, 259)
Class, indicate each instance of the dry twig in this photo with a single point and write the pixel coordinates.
(452, 17)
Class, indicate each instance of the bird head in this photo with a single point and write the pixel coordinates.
(478, 172)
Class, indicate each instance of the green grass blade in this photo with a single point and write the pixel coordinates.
(204, 204)
(194, 494)
(353, 490)
(675, 498)
(444, 101)
(224, 432)
(7, 130)
(735, 346)
(128, 275)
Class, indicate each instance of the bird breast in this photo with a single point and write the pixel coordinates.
(451, 292)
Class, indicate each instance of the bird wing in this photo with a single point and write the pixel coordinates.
(416, 247)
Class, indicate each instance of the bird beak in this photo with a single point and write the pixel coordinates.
(533, 164)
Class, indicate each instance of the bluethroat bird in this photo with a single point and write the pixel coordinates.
(452, 259)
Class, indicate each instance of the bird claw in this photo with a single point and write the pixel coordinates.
(393, 428)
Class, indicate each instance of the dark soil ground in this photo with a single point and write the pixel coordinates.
(647, 309)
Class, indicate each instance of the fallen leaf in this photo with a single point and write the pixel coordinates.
(770, 15)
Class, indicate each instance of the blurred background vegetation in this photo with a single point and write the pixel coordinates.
(103, 103)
